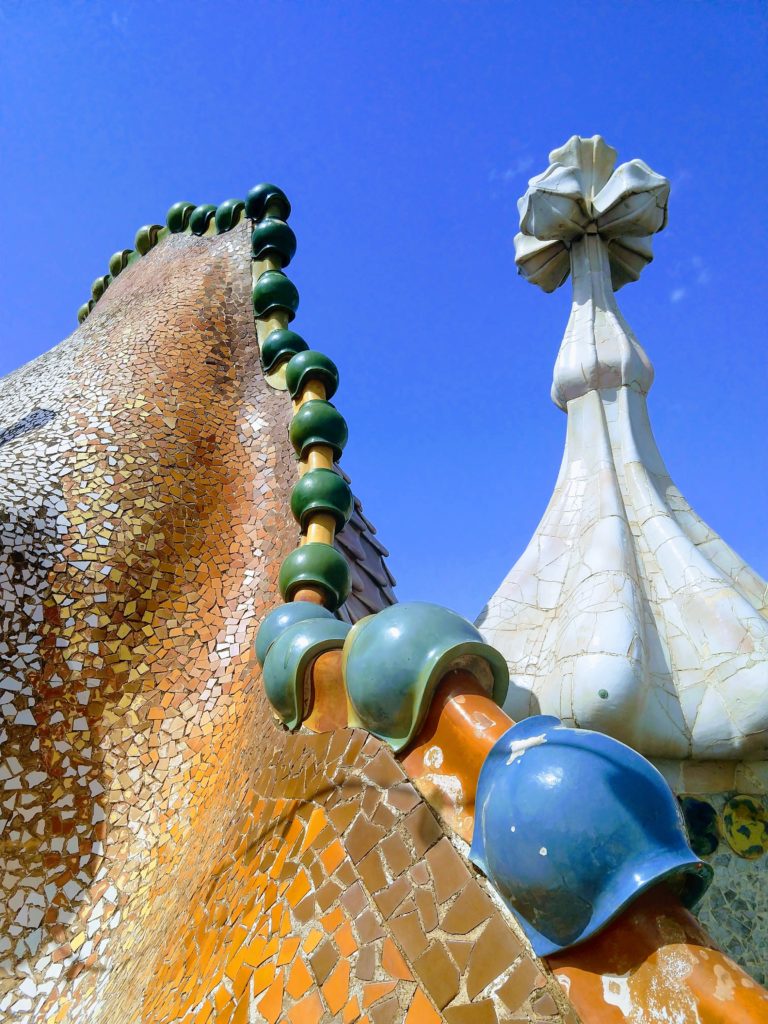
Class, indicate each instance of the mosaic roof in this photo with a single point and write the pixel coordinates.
(188, 840)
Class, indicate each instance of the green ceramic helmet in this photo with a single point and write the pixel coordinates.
(178, 216)
(311, 365)
(228, 214)
(118, 261)
(84, 310)
(274, 290)
(262, 196)
(289, 658)
(148, 237)
(321, 490)
(316, 565)
(280, 345)
(394, 660)
(315, 423)
(200, 218)
(276, 623)
(273, 238)
(99, 286)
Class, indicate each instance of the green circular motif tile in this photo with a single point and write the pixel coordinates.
(745, 826)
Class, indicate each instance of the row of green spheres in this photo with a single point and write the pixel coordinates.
(272, 237)
(275, 234)
(318, 491)
(147, 238)
(317, 422)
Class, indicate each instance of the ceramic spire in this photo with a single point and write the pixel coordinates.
(626, 613)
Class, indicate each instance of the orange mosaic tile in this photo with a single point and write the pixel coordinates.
(309, 1011)
(351, 1011)
(288, 949)
(298, 889)
(240, 1016)
(270, 1007)
(421, 1011)
(312, 940)
(345, 939)
(336, 988)
(372, 993)
(299, 980)
(393, 963)
(332, 857)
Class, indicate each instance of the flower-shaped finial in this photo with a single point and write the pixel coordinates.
(578, 195)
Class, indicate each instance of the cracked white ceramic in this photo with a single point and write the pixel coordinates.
(626, 613)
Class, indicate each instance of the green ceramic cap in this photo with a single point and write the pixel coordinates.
(316, 565)
(281, 618)
(119, 261)
(146, 238)
(200, 219)
(394, 660)
(83, 312)
(289, 658)
(274, 290)
(280, 345)
(321, 490)
(228, 214)
(178, 216)
(273, 238)
(99, 286)
(261, 196)
(311, 365)
(318, 422)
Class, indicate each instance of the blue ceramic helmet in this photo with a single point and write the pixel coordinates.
(571, 826)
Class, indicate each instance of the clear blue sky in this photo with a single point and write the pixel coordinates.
(404, 134)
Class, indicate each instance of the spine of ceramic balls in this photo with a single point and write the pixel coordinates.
(182, 218)
(321, 501)
(275, 298)
(147, 238)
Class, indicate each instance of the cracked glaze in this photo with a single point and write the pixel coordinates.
(626, 613)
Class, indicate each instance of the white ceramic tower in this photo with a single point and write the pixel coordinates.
(626, 613)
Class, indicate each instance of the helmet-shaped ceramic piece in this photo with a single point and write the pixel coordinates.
(281, 618)
(288, 659)
(571, 826)
(394, 660)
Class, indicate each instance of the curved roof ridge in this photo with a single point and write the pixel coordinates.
(182, 218)
(371, 581)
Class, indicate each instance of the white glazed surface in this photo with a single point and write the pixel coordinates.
(626, 613)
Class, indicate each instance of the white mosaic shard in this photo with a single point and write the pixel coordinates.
(626, 613)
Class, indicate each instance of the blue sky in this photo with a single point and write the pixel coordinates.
(404, 134)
